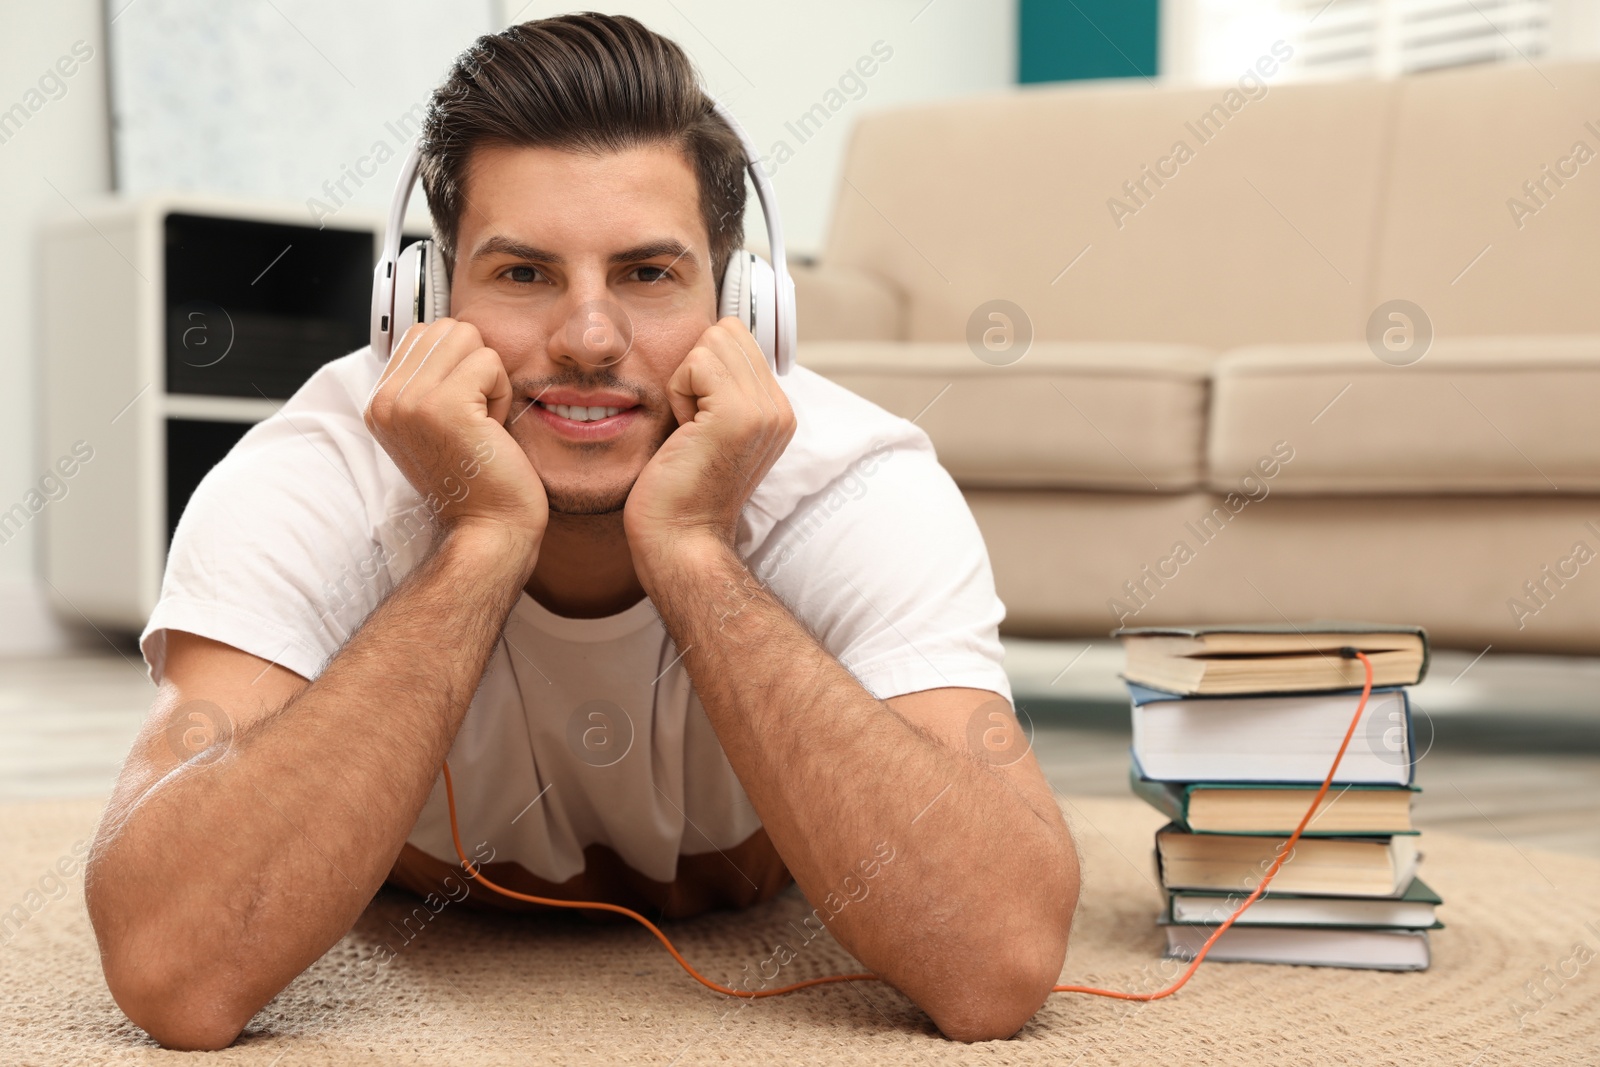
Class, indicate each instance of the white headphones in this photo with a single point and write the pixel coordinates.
(414, 286)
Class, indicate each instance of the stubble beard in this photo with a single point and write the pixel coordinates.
(585, 501)
(588, 499)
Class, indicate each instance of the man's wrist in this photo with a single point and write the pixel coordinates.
(684, 556)
(493, 548)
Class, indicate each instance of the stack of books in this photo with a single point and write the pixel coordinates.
(1234, 729)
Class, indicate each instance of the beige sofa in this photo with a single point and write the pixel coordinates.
(1209, 336)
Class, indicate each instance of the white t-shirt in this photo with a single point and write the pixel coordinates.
(589, 731)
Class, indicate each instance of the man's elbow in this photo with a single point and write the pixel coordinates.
(995, 1004)
(185, 1019)
(1007, 986)
(181, 1009)
(184, 993)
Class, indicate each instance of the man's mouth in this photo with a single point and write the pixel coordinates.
(595, 422)
(579, 413)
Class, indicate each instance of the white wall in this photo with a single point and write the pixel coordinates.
(301, 101)
(770, 63)
(54, 155)
(281, 101)
(1574, 29)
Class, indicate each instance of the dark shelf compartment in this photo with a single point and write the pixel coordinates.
(254, 308)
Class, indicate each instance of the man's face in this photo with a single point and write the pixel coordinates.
(591, 276)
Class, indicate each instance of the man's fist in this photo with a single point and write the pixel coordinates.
(439, 410)
(734, 421)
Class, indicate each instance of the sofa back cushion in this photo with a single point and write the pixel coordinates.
(1246, 217)
(1493, 204)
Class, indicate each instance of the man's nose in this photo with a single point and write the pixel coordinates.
(594, 330)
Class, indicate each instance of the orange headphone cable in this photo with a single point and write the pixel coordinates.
(591, 905)
(1284, 850)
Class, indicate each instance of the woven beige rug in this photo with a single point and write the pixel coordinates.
(1515, 980)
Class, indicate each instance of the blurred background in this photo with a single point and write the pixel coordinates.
(1374, 244)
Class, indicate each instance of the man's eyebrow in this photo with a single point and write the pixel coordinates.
(504, 246)
(667, 246)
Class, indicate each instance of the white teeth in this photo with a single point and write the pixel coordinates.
(580, 414)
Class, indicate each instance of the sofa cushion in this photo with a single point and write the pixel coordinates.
(1084, 416)
(1494, 200)
(1262, 233)
(1476, 415)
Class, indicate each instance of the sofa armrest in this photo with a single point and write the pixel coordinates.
(845, 304)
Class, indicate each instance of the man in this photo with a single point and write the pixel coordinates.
(683, 628)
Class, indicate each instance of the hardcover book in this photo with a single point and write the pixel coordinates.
(1271, 658)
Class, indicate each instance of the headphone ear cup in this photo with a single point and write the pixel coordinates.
(436, 300)
(764, 308)
(735, 299)
(421, 288)
(750, 294)
(411, 286)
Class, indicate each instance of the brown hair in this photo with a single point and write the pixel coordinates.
(588, 83)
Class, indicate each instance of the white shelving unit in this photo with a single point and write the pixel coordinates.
(118, 280)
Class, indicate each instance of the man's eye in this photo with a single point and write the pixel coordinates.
(522, 275)
(653, 274)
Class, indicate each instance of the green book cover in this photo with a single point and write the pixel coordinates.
(1172, 800)
(1418, 892)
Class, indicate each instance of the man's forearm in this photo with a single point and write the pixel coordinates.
(982, 884)
(223, 880)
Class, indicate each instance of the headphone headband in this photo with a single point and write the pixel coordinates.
(383, 283)
(765, 194)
